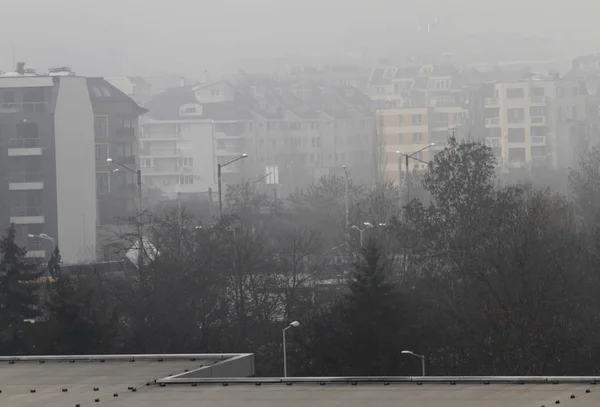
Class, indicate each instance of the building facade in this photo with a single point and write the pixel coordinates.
(417, 106)
(293, 132)
(116, 137)
(47, 182)
(528, 121)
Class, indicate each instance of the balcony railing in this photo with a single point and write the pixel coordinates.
(24, 143)
(26, 211)
(25, 177)
(24, 107)
(492, 121)
(125, 132)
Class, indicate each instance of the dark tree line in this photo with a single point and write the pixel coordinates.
(480, 278)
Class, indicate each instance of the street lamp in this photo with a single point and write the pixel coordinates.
(219, 166)
(139, 178)
(43, 236)
(407, 157)
(347, 213)
(361, 231)
(294, 324)
(422, 357)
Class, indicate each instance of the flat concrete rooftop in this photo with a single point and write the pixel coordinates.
(189, 380)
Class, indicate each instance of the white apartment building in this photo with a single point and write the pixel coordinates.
(298, 130)
(527, 122)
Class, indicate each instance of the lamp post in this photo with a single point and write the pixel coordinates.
(347, 212)
(138, 173)
(294, 324)
(361, 231)
(219, 167)
(407, 157)
(422, 357)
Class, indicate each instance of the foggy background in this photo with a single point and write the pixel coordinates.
(135, 37)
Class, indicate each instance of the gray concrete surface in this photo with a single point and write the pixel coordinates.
(114, 376)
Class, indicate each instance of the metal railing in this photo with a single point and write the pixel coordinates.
(491, 102)
(492, 121)
(24, 143)
(538, 119)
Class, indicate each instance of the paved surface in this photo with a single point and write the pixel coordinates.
(114, 377)
(18, 380)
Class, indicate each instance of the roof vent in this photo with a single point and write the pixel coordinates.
(61, 71)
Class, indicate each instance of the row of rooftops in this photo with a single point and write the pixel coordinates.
(257, 97)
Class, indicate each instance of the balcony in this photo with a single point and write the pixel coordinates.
(24, 107)
(492, 121)
(26, 215)
(23, 181)
(24, 147)
(537, 100)
(538, 140)
(492, 102)
(170, 152)
(125, 132)
(538, 120)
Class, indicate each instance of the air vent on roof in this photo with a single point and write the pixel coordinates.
(61, 71)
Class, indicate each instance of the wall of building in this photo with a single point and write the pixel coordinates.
(75, 171)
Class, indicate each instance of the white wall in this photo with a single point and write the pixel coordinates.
(198, 144)
(75, 171)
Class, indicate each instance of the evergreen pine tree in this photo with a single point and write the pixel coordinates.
(17, 298)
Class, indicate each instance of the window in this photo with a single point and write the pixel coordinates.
(101, 126)
(314, 125)
(516, 135)
(215, 92)
(190, 109)
(105, 92)
(417, 119)
(515, 93)
(537, 111)
(27, 130)
(539, 151)
(294, 126)
(537, 92)
(185, 179)
(34, 95)
(8, 96)
(186, 162)
(102, 182)
(516, 115)
(263, 104)
(417, 138)
(318, 141)
(400, 120)
(516, 155)
(129, 123)
(146, 162)
(101, 153)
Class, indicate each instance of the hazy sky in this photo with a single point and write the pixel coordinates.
(113, 37)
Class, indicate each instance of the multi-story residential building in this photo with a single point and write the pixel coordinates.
(527, 122)
(116, 137)
(47, 181)
(418, 106)
(300, 130)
